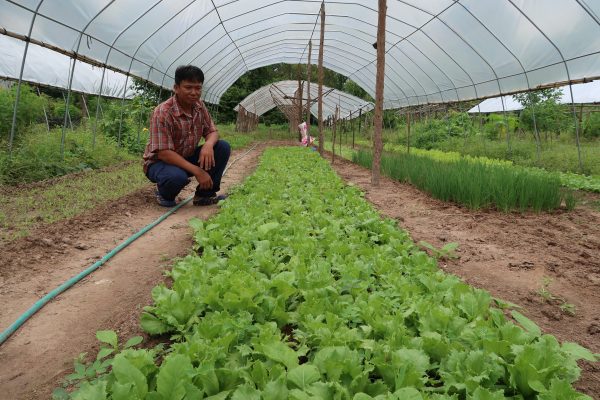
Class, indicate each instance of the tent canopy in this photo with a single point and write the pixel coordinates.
(582, 93)
(437, 50)
(283, 92)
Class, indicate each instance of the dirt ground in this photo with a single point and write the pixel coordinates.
(539, 262)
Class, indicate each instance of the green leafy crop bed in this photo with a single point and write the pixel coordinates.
(298, 289)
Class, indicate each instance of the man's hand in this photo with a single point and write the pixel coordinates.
(204, 179)
(207, 157)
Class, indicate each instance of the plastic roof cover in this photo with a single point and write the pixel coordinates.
(268, 96)
(50, 68)
(582, 93)
(437, 50)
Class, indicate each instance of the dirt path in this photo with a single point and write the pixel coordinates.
(35, 359)
(510, 255)
(538, 261)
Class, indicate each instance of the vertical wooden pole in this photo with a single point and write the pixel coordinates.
(320, 108)
(352, 128)
(408, 132)
(85, 107)
(341, 122)
(299, 103)
(359, 125)
(379, 84)
(577, 127)
(44, 108)
(333, 133)
(308, 73)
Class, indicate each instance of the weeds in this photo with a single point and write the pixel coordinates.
(544, 291)
(448, 251)
(568, 308)
(548, 297)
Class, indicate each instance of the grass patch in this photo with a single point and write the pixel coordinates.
(36, 155)
(22, 209)
(472, 184)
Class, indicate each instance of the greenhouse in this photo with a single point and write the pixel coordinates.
(300, 199)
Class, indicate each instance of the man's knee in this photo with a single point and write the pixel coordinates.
(177, 178)
(222, 148)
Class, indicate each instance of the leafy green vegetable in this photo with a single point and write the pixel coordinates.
(299, 290)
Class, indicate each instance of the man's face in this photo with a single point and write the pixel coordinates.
(188, 92)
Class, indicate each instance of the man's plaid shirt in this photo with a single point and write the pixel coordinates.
(173, 129)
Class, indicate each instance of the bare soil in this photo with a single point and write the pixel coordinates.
(513, 256)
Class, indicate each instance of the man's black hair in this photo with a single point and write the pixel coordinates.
(188, 73)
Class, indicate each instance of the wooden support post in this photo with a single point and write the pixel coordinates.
(379, 84)
(352, 128)
(333, 133)
(299, 103)
(44, 108)
(85, 107)
(308, 103)
(408, 132)
(320, 107)
(359, 125)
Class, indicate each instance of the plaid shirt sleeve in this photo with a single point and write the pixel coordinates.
(161, 129)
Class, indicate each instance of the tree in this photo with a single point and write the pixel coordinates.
(541, 111)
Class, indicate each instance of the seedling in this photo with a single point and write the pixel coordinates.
(548, 297)
(544, 292)
(568, 308)
(448, 251)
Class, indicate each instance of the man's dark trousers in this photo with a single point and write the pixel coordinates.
(170, 179)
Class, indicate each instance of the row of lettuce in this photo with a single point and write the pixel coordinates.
(298, 289)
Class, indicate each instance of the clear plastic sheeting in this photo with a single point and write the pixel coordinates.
(49, 68)
(437, 51)
(285, 93)
(582, 93)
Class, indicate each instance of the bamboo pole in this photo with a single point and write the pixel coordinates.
(320, 107)
(379, 85)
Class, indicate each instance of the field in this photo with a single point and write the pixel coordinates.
(417, 221)
(543, 262)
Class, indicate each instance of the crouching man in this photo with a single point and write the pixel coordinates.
(173, 154)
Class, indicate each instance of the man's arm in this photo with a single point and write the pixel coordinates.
(207, 154)
(171, 157)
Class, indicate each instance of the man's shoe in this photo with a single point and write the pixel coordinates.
(208, 201)
(164, 202)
